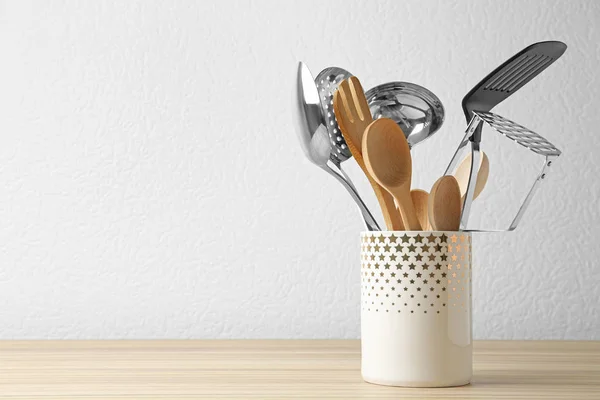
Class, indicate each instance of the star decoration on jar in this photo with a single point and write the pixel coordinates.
(437, 258)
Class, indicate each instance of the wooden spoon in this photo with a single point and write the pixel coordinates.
(464, 171)
(420, 199)
(387, 158)
(445, 204)
(353, 116)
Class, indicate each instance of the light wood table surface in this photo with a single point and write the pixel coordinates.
(277, 369)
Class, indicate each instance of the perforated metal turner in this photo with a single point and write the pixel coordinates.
(491, 91)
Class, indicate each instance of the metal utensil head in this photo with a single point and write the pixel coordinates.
(519, 134)
(515, 132)
(416, 110)
(310, 125)
(512, 75)
(327, 83)
(314, 138)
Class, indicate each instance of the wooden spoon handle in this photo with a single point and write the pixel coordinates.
(407, 210)
(420, 199)
(391, 216)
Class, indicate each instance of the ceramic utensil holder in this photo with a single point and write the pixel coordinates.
(416, 308)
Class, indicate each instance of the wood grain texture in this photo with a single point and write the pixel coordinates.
(278, 369)
(463, 172)
(420, 199)
(445, 204)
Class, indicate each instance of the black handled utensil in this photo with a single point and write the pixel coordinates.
(511, 76)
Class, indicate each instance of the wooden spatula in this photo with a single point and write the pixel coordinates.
(445, 204)
(387, 158)
(353, 116)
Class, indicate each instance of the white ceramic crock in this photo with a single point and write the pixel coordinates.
(416, 308)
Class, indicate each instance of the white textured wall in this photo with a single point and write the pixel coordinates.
(151, 185)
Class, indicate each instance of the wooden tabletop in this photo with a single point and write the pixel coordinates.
(277, 369)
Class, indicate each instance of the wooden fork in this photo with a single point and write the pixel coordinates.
(353, 116)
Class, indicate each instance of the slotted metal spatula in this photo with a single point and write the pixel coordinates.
(511, 76)
(496, 87)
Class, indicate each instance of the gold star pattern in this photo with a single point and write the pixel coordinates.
(433, 257)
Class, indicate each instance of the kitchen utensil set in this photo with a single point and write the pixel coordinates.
(337, 120)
